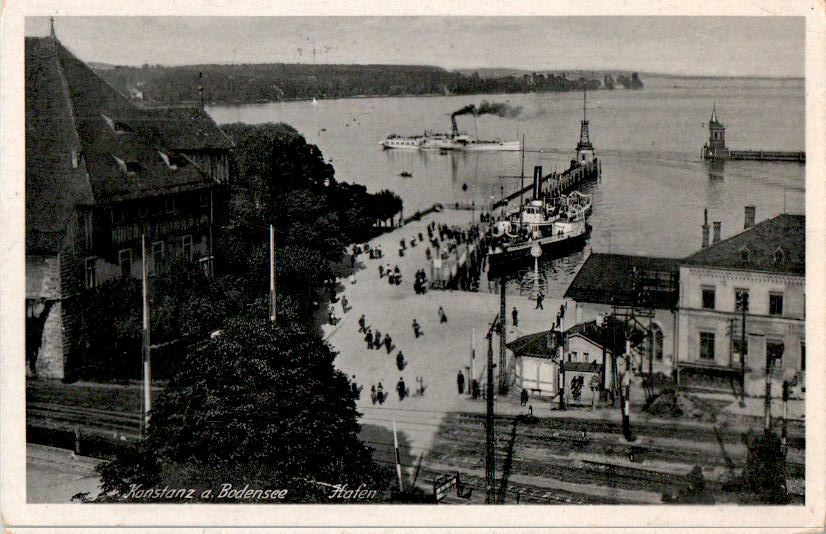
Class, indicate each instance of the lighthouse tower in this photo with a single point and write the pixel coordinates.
(584, 149)
(715, 148)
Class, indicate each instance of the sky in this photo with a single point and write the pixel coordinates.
(710, 46)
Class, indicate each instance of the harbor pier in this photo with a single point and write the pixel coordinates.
(557, 183)
(715, 148)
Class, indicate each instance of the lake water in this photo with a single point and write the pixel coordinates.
(654, 184)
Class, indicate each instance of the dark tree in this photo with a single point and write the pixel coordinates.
(261, 406)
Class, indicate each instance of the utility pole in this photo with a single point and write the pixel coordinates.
(744, 303)
(768, 399)
(522, 175)
(626, 387)
(503, 324)
(272, 274)
(472, 357)
(147, 369)
(490, 477)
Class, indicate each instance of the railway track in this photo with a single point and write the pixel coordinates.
(58, 415)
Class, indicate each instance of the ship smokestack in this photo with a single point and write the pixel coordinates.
(750, 212)
(454, 129)
(717, 228)
(537, 181)
(705, 228)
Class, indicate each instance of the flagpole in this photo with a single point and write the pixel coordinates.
(147, 369)
(398, 459)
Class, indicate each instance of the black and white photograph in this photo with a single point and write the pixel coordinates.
(418, 259)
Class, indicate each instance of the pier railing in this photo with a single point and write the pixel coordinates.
(560, 183)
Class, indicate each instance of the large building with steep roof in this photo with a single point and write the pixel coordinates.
(100, 173)
(752, 287)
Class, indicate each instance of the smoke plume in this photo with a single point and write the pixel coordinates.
(500, 109)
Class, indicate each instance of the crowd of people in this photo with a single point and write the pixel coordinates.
(442, 238)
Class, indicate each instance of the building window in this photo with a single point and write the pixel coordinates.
(206, 266)
(125, 260)
(708, 297)
(774, 353)
(802, 356)
(203, 198)
(658, 344)
(87, 230)
(741, 300)
(169, 205)
(157, 256)
(740, 346)
(585, 356)
(186, 247)
(707, 346)
(775, 303)
(91, 278)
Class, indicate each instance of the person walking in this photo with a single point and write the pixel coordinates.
(362, 324)
(442, 316)
(417, 330)
(400, 363)
(388, 343)
(460, 382)
(345, 304)
(380, 393)
(523, 397)
(401, 389)
(539, 298)
(373, 394)
(381, 271)
(369, 339)
(377, 340)
(515, 316)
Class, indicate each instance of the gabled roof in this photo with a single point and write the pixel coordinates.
(54, 186)
(775, 245)
(610, 279)
(70, 113)
(536, 345)
(599, 336)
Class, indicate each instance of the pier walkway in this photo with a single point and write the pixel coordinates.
(559, 183)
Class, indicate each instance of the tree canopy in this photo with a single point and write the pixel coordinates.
(261, 406)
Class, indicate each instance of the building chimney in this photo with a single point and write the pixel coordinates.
(537, 181)
(717, 225)
(705, 228)
(750, 210)
(201, 92)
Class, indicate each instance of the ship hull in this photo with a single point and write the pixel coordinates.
(500, 263)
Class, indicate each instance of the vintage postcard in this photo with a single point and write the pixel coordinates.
(343, 265)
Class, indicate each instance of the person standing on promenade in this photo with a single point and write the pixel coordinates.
(373, 394)
(460, 382)
(539, 298)
(377, 340)
(442, 316)
(417, 330)
(380, 393)
(369, 339)
(388, 343)
(401, 388)
(515, 316)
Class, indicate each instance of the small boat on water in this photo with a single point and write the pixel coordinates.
(405, 174)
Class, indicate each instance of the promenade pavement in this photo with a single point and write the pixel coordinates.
(439, 354)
